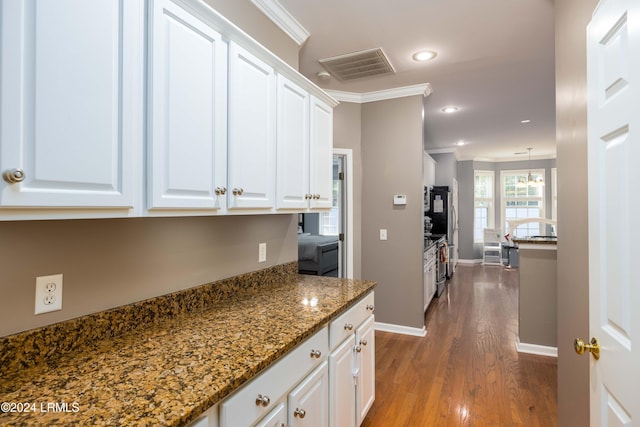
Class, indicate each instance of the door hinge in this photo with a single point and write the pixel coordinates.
(341, 237)
(341, 176)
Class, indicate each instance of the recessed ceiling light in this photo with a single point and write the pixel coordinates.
(449, 110)
(460, 143)
(424, 55)
(525, 121)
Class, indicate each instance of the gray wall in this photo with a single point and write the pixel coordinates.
(107, 263)
(572, 17)
(347, 133)
(465, 169)
(446, 169)
(537, 296)
(392, 164)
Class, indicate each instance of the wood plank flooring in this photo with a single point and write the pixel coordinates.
(466, 371)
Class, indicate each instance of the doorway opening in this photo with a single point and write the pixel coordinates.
(332, 226)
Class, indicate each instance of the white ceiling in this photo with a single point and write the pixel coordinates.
(495, 62)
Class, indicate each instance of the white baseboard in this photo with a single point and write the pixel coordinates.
(399, 329)
(541, 350)
(469, 261)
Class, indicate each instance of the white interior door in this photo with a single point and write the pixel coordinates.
(613, 66)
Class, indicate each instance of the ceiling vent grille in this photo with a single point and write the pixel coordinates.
(365, 63)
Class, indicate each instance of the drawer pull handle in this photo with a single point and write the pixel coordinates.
(348, 327)
(370, 307)
(262, 400)
(363, 342)
(316, 353)
(300, 413)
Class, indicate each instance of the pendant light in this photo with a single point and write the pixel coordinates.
(530, 179)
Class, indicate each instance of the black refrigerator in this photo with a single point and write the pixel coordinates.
(440, 206)
(443, 218)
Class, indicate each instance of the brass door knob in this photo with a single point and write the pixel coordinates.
(594, 348)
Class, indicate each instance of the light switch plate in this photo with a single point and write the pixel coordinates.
(383, 234)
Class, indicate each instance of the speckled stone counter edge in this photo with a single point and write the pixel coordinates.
(44, 345)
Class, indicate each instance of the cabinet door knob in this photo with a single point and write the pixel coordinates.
(263, 400)
(238, 191)
(307, 196)
(358, 349)
(363, 342)
(316, 196)
(221, 190)
(14, 175)
(348, 327)
(316, 353)
(370, 307)
(300, 413)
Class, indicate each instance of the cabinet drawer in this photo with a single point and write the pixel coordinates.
(346, 323)
(240, 409)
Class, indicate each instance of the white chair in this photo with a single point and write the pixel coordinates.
(491, 247)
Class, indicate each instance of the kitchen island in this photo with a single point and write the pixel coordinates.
(537, 295)
(167, 360)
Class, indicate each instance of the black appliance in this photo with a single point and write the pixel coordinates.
(443, 220)
(439, 208)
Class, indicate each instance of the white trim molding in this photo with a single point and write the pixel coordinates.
(540, 350)
(348, 153)
(400, 329)
(283, 19)
(381, 95)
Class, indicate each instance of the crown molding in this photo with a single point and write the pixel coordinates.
(283, 19)
(381, 95)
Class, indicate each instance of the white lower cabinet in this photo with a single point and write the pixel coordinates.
(365, 365)
(308, 403)
(352, 364)
(328, 380)
(208, 419)
(342, 411)
(276, 418)
(300, 379)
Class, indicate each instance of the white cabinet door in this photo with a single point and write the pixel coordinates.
(71, 109)
(276, 418)
(321, 154)
(252, 131)
(308, 403)
(292, 175)
(366, 380)
(342, 391)
(187, 110)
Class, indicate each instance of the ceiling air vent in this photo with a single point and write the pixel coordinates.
(371, 62)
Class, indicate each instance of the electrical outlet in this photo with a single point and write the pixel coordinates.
(383, 234)
(262, 252)
(48, 293)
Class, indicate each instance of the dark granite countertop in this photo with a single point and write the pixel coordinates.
(170, 370)
(538, 240)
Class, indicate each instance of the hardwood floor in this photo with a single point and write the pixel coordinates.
(466, 371)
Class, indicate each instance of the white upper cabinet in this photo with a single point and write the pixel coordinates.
(187, 111)
(252, 131)
(292, 188)
(71, 109)
(321, 149)
(116, 108)
(305, 149)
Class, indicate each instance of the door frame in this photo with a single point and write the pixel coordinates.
(348, 197)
